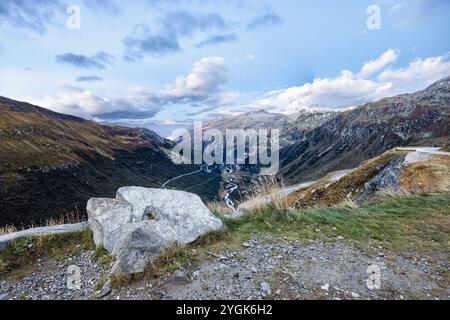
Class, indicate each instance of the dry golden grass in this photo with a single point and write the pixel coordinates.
(7, 230)
(219, 208)
(326, 193)
(71, 218)
(266, 190)
(431, 176)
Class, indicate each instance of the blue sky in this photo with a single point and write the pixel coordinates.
(159, 61)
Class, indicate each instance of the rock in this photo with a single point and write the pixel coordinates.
(179, 277)
(40, 232)
(247, 245)
(3, 297)
(235, 215)
(141, 223)
(386, 179)
(266, 290)
(355, 295)
(325, 287)
(106, 291)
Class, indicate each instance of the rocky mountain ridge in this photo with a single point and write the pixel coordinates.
(51, 163)
(348, 138)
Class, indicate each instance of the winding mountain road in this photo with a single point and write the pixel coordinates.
(202, 168)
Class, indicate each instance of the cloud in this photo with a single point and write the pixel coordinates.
(217, 39)
(39, 15)
(88, 105)
(98, 61)
(183, 23)
(349, 89)
(205, 84)
(170, 29)
(376, 65)
(204, 87)
(267, 19)
(110, 7)
(141, 42)
(419, 73)
(34, 15)
(411, 12)
(89, 79)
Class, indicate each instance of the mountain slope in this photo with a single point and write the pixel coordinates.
(51, 164)
(351, 137)
(252, 120)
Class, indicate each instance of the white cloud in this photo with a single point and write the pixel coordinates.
(86, 104)
(419, 73)
(350, 90)
(376, 65)
(204, 86)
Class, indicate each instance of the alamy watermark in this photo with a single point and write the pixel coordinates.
(232, 147)
(73, 278)
(74, 20)
(374, 19)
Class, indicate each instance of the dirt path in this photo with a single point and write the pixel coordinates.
(265, 268)
(279, 269)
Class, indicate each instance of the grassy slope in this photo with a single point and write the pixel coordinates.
(418, 224)
(327, 193)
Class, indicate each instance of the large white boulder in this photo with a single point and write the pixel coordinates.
(141, 223)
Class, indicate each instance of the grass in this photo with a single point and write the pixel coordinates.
(172, 259)
(427, 177)
(71, 218)
(326, 193)
(416, 223)
(21, 253)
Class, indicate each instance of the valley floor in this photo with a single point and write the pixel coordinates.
(270, 253)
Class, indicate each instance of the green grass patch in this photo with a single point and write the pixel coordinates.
(419, 222)
(24, 251)
(172, 259)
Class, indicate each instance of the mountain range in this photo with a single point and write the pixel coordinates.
(51, 163)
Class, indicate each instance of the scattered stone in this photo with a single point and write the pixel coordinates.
(106, 291)
(265, 289)
(325, 287)
(179, 277)
(247, 245)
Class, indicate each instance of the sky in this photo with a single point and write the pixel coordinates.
(171, 62)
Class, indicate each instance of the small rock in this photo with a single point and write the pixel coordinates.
(265, 289)
(355, 295)
(325, 287)
(247, 245)
(178, 278)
